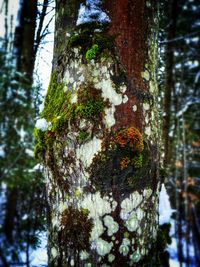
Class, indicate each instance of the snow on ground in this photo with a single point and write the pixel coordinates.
(165, 210)
(39, 256)
(173, 250)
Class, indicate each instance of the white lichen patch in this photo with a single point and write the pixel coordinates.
(62, 206)
(55, 221)
(66, 76)
(76, 51)
(54, 252)
(65, 89)
(124, 247)
(71, 79)
(143, 251)
(84, 255)
(134, 108)
(103, 247)
(148, 131)
(72, 263)
(97, 205)
(145, 75)
(97, 230)
(109, 91)
(74, 98)
(81, 79)
(132, 223)
(129, 204)
(96, 73)
(86, 152)
(139, 231)
(125, 99)
(140, 214)
(112, 226)
(122, 88)
(152, 87)
(111, 257)
(109, 116)
(146, 119)
(147, 193)
(104, 69)
(135, 257)
(146, 106)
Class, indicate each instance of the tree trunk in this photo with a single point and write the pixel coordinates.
(23, 49)
(24, 38)
(98, 137)
(169, 83)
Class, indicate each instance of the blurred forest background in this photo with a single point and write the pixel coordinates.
(26, 42)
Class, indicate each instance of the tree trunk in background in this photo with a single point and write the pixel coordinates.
(24, 38)
(169, 83)
(100, 139)
(23, 50)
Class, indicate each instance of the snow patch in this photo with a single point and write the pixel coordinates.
(91, 12)
(42, 124)
(165, 210)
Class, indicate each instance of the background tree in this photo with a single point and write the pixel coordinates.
(22, 198)
(98, 135)
(181, 44)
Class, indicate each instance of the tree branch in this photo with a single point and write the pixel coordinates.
(42, 16)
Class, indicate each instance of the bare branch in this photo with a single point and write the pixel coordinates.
(42, 16)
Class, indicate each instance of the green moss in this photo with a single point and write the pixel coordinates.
(60, 111)
(126, 235)
(41, 145)
(85, 211)
(137, 161)
(57, 102)
(83, 135)
(90, 108)
(74, 40)
(90, 104)
(38, 151)
(93, 41)
(92, 52)
(58, 123)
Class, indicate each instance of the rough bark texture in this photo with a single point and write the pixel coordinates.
(100, 145)
(65, 22)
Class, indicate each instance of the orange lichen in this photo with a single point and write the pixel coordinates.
(131, 137)
(124, 163)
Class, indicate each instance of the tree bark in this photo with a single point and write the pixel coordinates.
(100, 145)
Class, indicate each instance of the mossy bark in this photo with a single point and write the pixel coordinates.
(101, 149)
